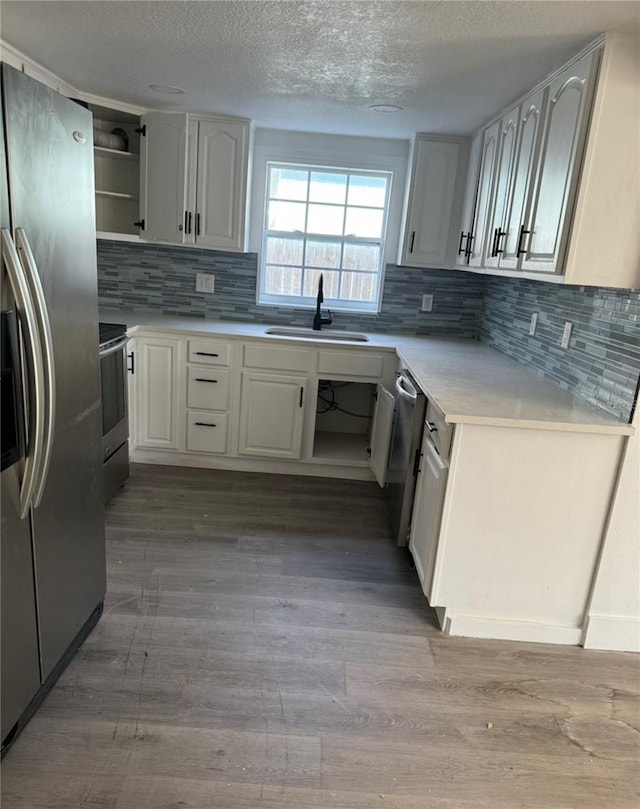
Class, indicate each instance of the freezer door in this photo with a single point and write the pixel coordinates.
(49, 143)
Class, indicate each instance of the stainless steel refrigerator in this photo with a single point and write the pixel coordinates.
(53, 556)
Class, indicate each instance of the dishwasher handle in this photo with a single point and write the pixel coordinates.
(409, 395)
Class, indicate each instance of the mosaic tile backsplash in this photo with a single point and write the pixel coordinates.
(164, 278)
(602, 365)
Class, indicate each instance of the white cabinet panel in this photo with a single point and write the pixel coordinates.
(208, 352)
(271, 415)
(158, 386)
(563, 139)
(207, 432)
(207, 388)
(350, 363)
(381, 431)
(496, 230)
(469, 204)
(427, 513)
(433, 185)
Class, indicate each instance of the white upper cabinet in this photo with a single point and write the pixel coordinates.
(469, 205)
(194, 176)
(433, 198)
(553, 192)
(486, 177)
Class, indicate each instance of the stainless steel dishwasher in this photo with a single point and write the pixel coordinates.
(405, 454)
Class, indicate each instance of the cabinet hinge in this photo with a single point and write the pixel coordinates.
(142, 131)
(139, 224)
(369, 451)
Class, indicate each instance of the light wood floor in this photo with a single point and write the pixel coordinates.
(265, 645)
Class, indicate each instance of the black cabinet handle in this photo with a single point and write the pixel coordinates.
(493, 243)
(301, 396)
(190, 220)
(197, 224)
(416, 463)
(186, 221)
(204, 424)
(206, 354)
(460, 251)
(413, 238)
(499, 235)
(131, 368)
(431, 426)
(202, 379)
(467, 252)
(523, 233)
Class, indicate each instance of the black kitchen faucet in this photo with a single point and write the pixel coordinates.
(319, 321)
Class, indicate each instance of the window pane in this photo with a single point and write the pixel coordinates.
(323, 254)
(330, 283)
(361, 257)
(364, 190)
(364, 222)
(358, 286)
(325, 219)
(325, 187)
(283, 280)
(286, 215)
(288, 183)
(284, 251)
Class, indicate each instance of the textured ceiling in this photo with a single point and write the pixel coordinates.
(314, 65)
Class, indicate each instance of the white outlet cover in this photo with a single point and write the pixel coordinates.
(566, 334)
(205, 282)
(427, 303)
(533, 323)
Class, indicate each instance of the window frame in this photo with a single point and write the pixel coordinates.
(302, 301)
(339, 152)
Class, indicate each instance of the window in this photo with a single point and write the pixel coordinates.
(324, 220)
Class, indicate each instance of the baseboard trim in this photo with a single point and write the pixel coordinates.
(472, 627)
(274, 466)
(614, 633)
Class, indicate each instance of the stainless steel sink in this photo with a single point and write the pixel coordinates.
(325, 334)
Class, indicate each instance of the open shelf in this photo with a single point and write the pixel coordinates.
(114, 194)
(340, 447)
(115, 154)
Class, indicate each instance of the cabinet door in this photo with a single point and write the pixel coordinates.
(563, 139)
(221, 187)
(496, 230)
(381, 430)
(530, 128)
(271, 415)
(187, 214)
(427, 514)
(158, 387)
(162, 180)
(488, 162)
(432, 193)
(470, 198)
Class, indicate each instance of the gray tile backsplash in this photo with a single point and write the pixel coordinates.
(601, 366)
(602, 363)
(164, 278)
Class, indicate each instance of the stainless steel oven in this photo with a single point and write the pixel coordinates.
(115, 417)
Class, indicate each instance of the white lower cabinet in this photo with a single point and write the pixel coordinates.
(206, 432)
(271, 414)
(159, 360)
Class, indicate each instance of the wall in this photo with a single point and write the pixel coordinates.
(160, 278)
(603, 363)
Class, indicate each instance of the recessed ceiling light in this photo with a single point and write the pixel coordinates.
(385, 108)
(167, 89)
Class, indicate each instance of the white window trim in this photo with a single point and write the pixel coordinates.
(340, 152)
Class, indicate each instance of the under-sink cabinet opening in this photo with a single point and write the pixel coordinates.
(344, 416)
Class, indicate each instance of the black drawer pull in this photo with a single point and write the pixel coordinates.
(523, 233)
(202, 379)
(204, 424)
(206, 354)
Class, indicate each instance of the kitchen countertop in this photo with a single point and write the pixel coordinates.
(469, 381)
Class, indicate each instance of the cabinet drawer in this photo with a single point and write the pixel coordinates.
(276, 359)
(206, 432)
(441, 432)
(207, 389)
(209, 352)
(350, 363)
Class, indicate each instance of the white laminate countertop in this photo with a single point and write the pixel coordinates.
(469, 381)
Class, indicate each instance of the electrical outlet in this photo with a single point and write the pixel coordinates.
(533, 323)
(427, 303)
(205, 282)
(566, 334)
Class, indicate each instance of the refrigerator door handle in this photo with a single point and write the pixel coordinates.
(46, 342)
(34, 385)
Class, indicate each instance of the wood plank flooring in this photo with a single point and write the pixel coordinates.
(264, 644)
